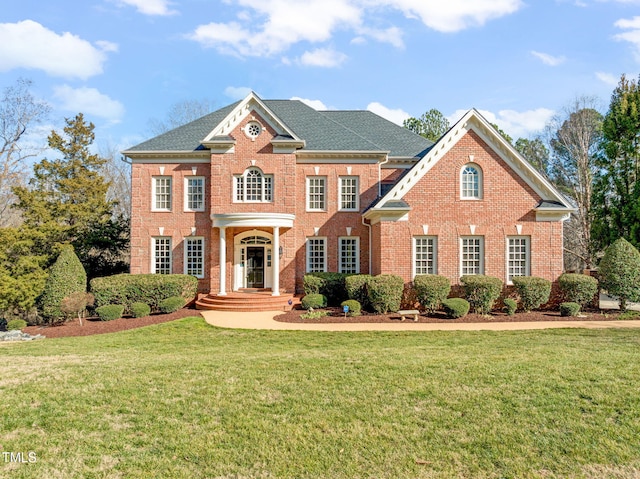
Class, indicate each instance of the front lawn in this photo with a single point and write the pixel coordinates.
(186, 400)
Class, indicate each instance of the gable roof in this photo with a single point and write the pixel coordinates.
(331, 131)
(553, 204)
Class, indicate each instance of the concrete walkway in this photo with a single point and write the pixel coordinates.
(264, 320)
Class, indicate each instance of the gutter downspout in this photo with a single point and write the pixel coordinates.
(386, 160)
(368, 226)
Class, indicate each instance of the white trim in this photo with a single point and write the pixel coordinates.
(185, 263)
(306, 252)
(186, 193)
(284, 220)
(324, 193)
(263, 192)
(357, 252)
(482, 264)
(144, 160)
(357, 193)
(414, 239)
(153, 258)
(527, 239)
(480, 175)
(154, 190)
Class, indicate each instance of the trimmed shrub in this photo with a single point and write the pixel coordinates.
(385, 293)
(172, 304)
(619, 272)
(3, 324)
(481, 292)
(431, 290)
(66, 276)
(109, 312)
(314, 301)
(533, 291)
(16, 324)
(356, 287)
(76, 305)
(569, 309)
(127, 289)
(578, 288)
(456, 307)
(354, 307)
(332, 285)
(140, 310)
(314, 314)
(510, 306)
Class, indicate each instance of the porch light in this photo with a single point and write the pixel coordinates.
(280, 251)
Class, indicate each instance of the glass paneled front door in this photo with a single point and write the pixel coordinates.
(255, 267)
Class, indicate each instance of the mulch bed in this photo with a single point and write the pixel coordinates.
(92, 326)
(337, 316)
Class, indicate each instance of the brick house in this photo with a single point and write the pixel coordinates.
(261, 191)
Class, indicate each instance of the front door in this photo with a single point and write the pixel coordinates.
(255, 267)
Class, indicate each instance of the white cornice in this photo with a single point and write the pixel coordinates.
(283, 220)
(354, 156)
(203, 156)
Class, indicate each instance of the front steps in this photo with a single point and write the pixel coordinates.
(247, 300)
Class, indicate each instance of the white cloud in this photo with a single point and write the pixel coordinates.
(150, 7)
(548, 59)
(607, 78)
(396, 116)
(517, 124)
(269, 27)
(237, 92)
(632, 35)
(323, 57)
(27, 44)
(315, 104)
(89, 101)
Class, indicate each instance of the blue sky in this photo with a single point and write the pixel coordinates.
(125, 62)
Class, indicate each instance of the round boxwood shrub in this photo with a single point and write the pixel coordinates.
(385, 293)
(16, 324)
(314, 301)
(110, 312)
(578, 288)
(533, 291)
(354, 307)
(431, 290)
(569, 309)
(140, 310)
(619, 272)
(172, 304)
(356, 287)
(456, 307)
(510, 306)
(481, 292)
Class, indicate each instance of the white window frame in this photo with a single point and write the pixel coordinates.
(240, 187)
(199, 262)
(463, 191)
(309, 180)
(414, 255)
(480, 239)
(342, 267)
(155, 260)
(187, 193)
(154, 192)
(527, 259)
(356, 194)
(319, 240)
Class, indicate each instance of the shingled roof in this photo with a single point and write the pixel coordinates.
(357, 130)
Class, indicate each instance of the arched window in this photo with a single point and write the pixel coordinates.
(253, 186)
(471, 182)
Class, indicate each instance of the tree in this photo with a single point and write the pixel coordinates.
(117, 172)
(575, 137)
(620, 272)
(66, 202)
(181, 113)
(19, 112)
(503, 133)
(431, 125)
(617, 189)
(535, 152)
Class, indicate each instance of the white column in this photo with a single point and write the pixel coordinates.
(275, 267)
(223, 261)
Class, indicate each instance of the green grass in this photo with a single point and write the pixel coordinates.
(186, 400)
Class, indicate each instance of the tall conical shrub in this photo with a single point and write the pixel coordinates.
(619, 272)
(66, 276)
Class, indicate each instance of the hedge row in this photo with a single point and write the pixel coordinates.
(151, 289)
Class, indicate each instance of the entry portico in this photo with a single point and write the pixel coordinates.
(256, 251)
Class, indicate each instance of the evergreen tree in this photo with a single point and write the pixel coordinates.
(616, 201)
(431, 125)
(66, 202)
(620, 272)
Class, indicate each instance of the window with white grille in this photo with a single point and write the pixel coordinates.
(517, 257)
(349, 251)
(316, 193)
(424, 255)
(161, 197)
(316, 255)
(161, 261)
(253, 187)
(194, 193)
(472, 255)
(194, 256)
(349, 193)
(471, 182)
